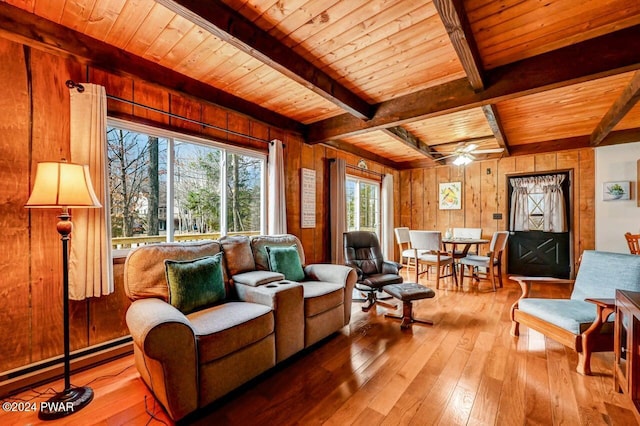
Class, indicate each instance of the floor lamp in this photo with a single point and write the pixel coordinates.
(64, 185)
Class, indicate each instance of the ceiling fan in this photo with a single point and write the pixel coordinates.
(464, 153)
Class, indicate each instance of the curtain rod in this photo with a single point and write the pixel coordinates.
(80, 88)
(380, 175)
(360, 169)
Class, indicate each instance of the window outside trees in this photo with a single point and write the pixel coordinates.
(363, 205)
(212, 189)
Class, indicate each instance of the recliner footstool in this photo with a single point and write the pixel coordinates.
(407, 293)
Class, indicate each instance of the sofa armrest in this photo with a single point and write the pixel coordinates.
(527, 282)
(169, 362)
(328, 272)
(286, 300)
(339, 274)
(391, 267)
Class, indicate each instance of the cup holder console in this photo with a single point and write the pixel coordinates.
(279, 283)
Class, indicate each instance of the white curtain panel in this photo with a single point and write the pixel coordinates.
(387, 217)
(520, 203)
(555, 219)
(90, 261)
(338, 207)
(554, 213)
(277, 203)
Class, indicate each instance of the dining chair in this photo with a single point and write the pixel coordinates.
(427, 247)
(633, 241)
(492, 261)
(472, 233)
(407, 254)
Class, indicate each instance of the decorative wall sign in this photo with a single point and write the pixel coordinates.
(308, 198)
(620, 190)
(450, 196)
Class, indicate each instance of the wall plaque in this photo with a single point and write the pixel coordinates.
(308, 198)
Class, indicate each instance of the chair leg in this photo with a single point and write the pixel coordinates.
(584, 363)
(515, 328)
(584, 357)
(373, 300)
(492, 276)
(453, 271)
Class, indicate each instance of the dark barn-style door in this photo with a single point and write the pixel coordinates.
(536, 252)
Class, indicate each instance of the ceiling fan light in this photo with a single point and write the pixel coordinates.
(462, 160)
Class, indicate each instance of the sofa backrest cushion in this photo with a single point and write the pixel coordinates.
(286, 261)
(601, 273)
(258, 244)
(144, 270)
(195, 284)
(237, 253)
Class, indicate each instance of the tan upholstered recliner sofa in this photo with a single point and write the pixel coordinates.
(190, 360)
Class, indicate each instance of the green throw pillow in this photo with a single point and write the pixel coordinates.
(286, 260)
(194, 284)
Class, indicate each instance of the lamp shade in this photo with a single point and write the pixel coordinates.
(59, 184)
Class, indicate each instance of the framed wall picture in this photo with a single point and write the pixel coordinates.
(620, 190)
(450, 196)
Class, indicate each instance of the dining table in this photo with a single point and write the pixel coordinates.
(466, 242)
(459, 254)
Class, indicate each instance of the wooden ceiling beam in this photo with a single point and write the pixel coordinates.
(409, 139)
(233, 28)
(602, 56)
(584, 141)
(363, 153)
(621, 136)
(493, 118)
(551, 145)
(457, 25)
(629, 97)
(31, 30)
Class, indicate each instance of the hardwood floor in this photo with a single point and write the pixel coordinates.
(466, 369)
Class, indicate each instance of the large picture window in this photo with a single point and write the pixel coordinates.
(363, 205)
(171, 187)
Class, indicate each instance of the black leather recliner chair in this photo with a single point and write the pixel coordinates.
(362, 252)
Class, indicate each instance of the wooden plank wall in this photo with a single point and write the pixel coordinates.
(484, 193)
(299, 155)
(34, 126)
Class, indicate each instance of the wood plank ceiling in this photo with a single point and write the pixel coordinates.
(406, 80)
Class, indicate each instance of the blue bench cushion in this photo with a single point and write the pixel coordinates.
(572, 315)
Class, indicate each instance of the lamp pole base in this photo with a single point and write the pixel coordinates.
(65, 403)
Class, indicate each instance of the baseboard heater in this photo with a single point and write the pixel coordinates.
(36, 374)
